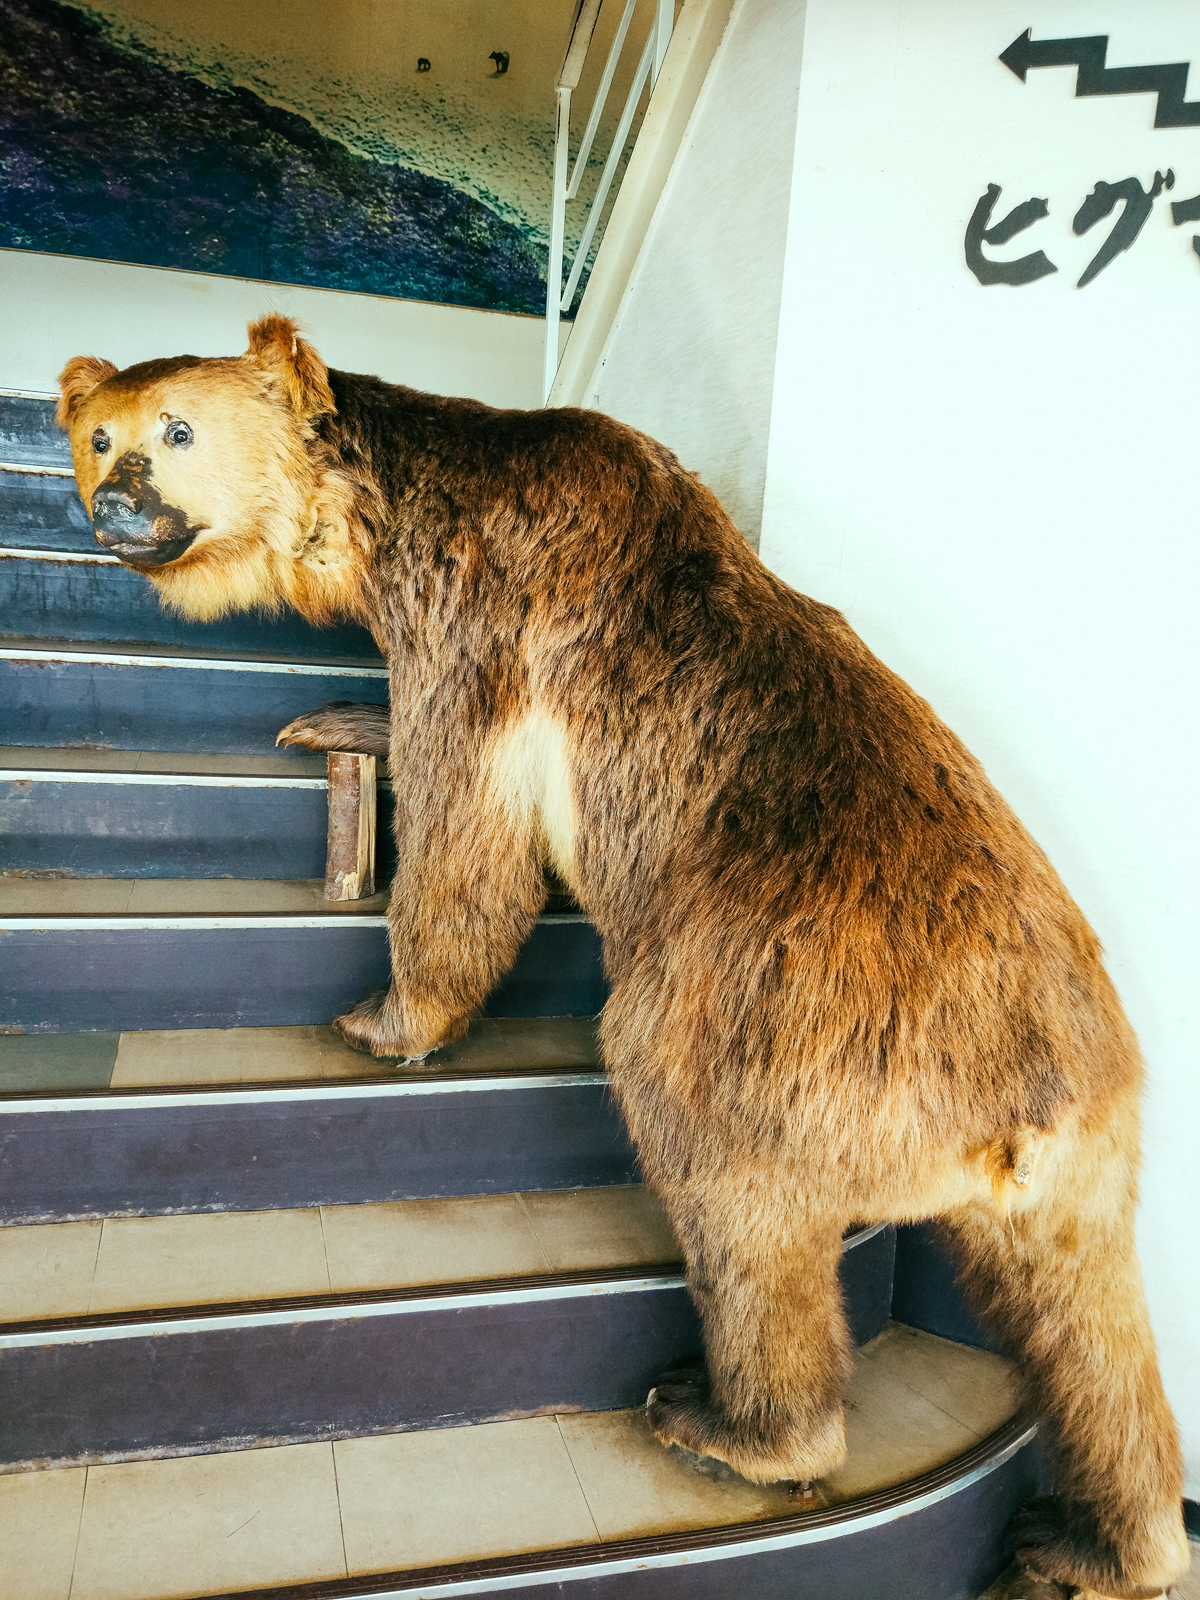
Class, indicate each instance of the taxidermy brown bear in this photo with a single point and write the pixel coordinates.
(846, 984)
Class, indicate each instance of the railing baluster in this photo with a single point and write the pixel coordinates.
(664, 22)
(558, 298)
(610, 168)
(610, 67)
(558, 208)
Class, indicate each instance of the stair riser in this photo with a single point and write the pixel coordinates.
(221, 1390)
(116, 977)
(42, 512)
(213, 708)
(927, 1292)
(362, 1372)
(28, 432)
(100, 602)
(130, 829)
(160, 1157)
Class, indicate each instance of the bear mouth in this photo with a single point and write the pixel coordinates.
(155, 551)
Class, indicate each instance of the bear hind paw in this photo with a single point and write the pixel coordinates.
(1060, 1544)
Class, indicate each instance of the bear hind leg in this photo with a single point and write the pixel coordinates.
(1055, 1271)
(768, 1400)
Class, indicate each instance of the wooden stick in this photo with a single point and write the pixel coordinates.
(350, 861)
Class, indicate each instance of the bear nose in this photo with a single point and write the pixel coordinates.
(114, 507)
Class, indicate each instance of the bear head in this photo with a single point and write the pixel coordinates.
(208, 475)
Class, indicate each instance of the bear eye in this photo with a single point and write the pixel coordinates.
(177, 434)
(100, 441)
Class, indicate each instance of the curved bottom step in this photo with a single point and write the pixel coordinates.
(941, 1536)
(576, 1504)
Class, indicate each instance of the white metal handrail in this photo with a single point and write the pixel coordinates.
(583, 26)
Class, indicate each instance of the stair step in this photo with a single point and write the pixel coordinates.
(211, 898)
(214, 822)
(151, 814)
(63, 693)
(135, 1264)
(583, 1504)
(160, 953)
(204, 1377)
(89, 760)
(56, 582)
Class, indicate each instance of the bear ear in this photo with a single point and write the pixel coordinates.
(76, 381)
(276, 346)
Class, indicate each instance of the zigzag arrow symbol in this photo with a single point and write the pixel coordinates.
(1169, 82)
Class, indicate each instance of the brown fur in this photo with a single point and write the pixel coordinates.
(845, 981)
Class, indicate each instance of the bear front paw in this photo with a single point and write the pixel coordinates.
(682, 1411)
(341, 725)
(379, 1027)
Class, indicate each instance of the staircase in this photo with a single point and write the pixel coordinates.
(279, 1319)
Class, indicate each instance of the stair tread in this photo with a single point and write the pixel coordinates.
(190, 1056)
(182, 897)
(395, 1502)
(136, 1264)
(287, 764)
(21, 646)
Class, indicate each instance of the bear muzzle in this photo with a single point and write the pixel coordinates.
(137, 527)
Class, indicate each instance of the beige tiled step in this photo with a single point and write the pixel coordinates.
(182, 897)
(150, 1058)
(209, 1524)
(113, 650)
(67, 1269)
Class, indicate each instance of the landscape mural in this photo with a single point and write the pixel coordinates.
(297, 142)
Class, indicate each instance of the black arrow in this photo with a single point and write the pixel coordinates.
(1168, 82)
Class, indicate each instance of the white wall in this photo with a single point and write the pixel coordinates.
(997, 484)
(55, 307)
(692, 352)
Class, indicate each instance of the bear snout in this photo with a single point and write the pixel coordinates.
(113, 509)
(138, 528)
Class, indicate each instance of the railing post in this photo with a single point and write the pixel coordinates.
(558, 210)
(664, 23)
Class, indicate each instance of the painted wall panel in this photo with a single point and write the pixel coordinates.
(691, 358)
(56, 307)
(993, 482)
